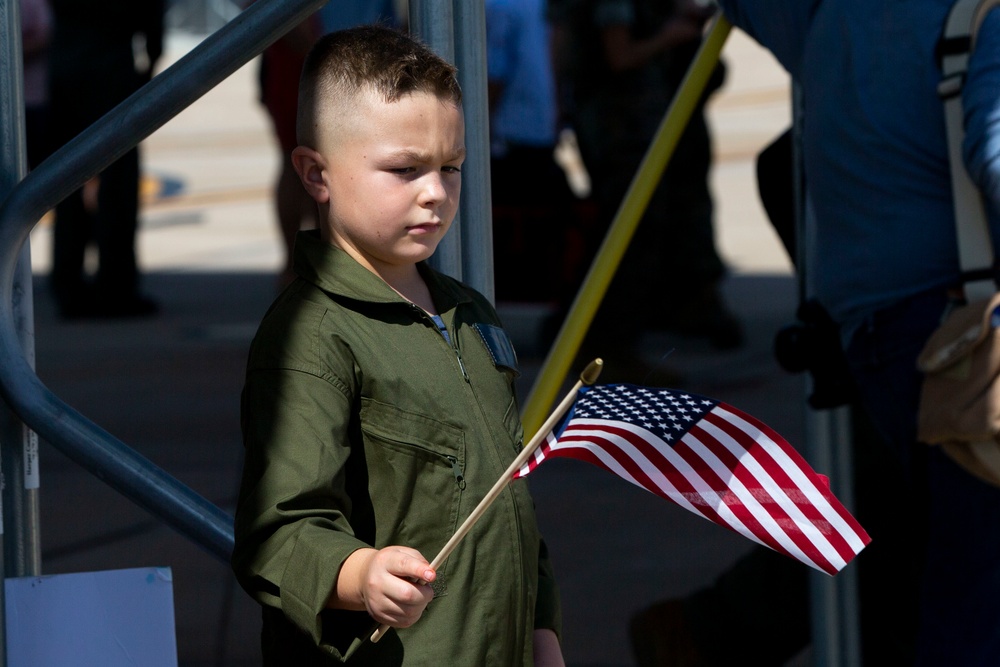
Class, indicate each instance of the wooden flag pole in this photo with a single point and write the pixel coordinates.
(587, 377)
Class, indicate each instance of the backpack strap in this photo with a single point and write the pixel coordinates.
(975, 249)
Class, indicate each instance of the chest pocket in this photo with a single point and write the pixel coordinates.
(416, 470)
(501, 352)
(498, 344)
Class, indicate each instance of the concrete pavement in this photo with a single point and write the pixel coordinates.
(169, 386)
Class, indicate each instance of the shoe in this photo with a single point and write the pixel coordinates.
(661, 637)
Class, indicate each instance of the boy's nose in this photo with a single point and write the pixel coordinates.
(434, 191)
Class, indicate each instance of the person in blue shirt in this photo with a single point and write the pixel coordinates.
(624, 62)
(883, 260)
(533, 204)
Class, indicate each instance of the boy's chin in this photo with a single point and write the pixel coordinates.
(427, 249)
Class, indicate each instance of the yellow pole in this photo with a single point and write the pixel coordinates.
(619, 234)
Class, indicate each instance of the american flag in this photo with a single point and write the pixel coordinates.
(713, 460)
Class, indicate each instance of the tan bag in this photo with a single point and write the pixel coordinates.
(960, 397)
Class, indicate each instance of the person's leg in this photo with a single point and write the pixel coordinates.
(688, 269)
(71, 232)
(960, 582)
(117, 221)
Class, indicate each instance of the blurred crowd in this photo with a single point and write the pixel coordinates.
(594, 76)
(597, 76)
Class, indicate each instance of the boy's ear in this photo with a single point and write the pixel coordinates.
(309, 165)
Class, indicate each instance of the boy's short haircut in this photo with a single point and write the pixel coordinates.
(372, 58)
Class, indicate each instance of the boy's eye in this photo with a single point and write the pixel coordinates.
(402, 170)
(452, 169)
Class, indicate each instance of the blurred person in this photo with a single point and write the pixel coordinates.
(626, 61)
(884, 263)
(36, 33)
(280, 67)
(349, 13)
(101, 52)
(532, 200)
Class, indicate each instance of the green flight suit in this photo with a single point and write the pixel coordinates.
(364, 426)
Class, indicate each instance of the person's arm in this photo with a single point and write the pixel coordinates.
(981, 103)
(548, 611)
(391, 584)
(623, 52)
(781, 26)
(36, 27)
(547, 651)
(501, 42)
(293, 529)
(152, 29)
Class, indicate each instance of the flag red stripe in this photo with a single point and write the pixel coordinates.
(723, 465)
(842, 522)
(791, 490)
(703, 490)
(778, 523)
(741, 519)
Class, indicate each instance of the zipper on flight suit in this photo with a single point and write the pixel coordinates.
(457, 471)
(449, 341)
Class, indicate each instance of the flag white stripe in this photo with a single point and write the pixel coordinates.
(801, 523)
(752, 464)
(798, 477)
(702, 490)
(752, 504)
(657, 476)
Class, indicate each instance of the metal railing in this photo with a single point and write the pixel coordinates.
(69, 168)
(133, 120)
(24, 202)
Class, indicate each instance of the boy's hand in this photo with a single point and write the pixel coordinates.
(391, 584)
(547, 651)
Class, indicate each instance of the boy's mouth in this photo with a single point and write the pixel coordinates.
(425, 227)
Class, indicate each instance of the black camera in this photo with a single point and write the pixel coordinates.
(813, 344)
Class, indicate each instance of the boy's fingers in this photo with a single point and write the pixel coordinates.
(414, 566)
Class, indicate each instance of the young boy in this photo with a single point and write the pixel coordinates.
(379, 407)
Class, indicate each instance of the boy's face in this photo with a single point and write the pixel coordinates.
(392, 173)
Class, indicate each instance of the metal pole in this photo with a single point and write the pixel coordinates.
(18, 445)
(12, 168)
(833, 601)
(476, 209)
(112, 136)
(433, 23)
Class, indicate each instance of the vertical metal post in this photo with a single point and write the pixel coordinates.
(476, 208)
(433, 22)
(12, 168)
(833, 600)
(18, 444)
(19, 449)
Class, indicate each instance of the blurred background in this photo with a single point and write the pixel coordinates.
(211, 253)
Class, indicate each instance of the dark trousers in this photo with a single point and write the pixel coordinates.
(537, 248)
(112, 226)
(959, 584)
(79, 96)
